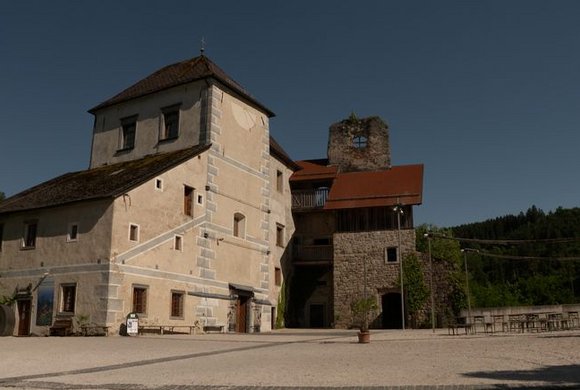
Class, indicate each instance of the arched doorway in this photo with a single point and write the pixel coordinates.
(391, 304)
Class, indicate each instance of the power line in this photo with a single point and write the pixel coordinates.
(512, 257)
(506, 242)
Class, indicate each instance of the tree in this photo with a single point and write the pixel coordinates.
(416, 289)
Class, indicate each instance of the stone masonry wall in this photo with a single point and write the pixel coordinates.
(355, 252)
(343, 152)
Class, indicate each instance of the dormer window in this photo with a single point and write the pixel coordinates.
(360, 142)
(170, 125)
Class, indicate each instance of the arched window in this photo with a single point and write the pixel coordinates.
(360, 142)
(239, 225)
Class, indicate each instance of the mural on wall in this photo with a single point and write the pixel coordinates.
(45, 303)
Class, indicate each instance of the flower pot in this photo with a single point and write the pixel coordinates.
(364, 337)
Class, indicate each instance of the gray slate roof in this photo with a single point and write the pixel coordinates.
(108, 181)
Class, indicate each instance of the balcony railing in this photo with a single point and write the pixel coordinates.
(313, 253)
(309, 199)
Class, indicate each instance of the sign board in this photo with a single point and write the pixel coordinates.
(132, 324)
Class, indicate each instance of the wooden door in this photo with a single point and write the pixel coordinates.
(242, 314)
(24, 310)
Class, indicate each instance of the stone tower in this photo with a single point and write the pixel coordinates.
(359, 145)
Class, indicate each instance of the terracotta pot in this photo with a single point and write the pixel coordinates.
(364, 337)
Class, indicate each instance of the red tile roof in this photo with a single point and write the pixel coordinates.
(397, 185)
(183, 72)
(314, 170)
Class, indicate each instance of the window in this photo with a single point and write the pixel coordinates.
(128, 131)
(391, 254)
(239, 225)
(134, 232)
(199, 199)
(73, 232)
(280, 235)
(279, 181)
(170, 129)
(178, 243)
(177, 304)
(159, 184)
(277, 276)
(68, 294)
(29, 239)
(360, 142)
(140, 300)
(188, 201)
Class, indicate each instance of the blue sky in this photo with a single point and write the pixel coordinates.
(486, 94)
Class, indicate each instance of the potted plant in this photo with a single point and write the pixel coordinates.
(362, 309)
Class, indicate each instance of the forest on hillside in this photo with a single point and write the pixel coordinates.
(543, 270)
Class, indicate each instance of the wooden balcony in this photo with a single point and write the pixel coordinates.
(313, 254)
(309, 199)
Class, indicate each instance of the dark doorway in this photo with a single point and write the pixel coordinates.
(273, 318)
(242, 310)
(391, 303)
(24, 310)
(317, 316)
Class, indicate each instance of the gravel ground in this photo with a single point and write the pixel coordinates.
(415, 359)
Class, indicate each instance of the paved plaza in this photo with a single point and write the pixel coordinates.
(412, 359)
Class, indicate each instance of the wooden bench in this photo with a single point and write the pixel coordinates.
(213, 328)
(94, 330)
(168, 329)
(62, 326)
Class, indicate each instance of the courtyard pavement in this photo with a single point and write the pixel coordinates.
(290, 358)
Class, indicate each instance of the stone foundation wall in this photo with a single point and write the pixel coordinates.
(357, 254)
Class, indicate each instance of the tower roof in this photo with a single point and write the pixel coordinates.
(180, 73)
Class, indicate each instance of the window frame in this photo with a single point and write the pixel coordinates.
(158, 184)
(170, 114)
(279, 181)
(179, 305)
(128, 123)
(64, 306)
(188, 196)
(277, 276)
(360, 141)
(137, 232)
(239, 225)
(178, 242)
(27, 242)
(396, 259)
(69, 231)
(280, 235)
(143, 296)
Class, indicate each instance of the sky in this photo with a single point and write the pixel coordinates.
(485, 94)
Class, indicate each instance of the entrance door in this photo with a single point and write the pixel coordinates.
(317, 316)
(24, 310)
(391, 303)
(242, 310)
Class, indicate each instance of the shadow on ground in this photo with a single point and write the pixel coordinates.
(556, 376)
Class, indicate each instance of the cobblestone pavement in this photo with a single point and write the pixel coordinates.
(293, 359)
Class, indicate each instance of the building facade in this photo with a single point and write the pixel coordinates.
(353, 215)
(183, 216)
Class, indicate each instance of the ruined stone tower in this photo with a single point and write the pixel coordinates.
(359, 145)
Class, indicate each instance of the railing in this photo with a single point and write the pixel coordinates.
(309, 199)
(309, 253)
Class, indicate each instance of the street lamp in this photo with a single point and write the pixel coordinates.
(465, 250)
(428, 236)
(399, 210)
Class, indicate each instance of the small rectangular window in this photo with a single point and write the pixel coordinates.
(140, 300)
(277, 276)
(391, 254)
(279, 181)
(170, 129)
(29, 239)
(68, 293)
(280, 235)
(73, 232)
(178, 243)
(159, 184)
(239, 225)
(177, 304)
(200, 199)
(129, 129)
(188, 201)
(134, 232)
